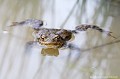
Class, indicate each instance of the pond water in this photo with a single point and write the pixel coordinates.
(98, 57)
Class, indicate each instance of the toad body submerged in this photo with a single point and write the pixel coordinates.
(55, 38)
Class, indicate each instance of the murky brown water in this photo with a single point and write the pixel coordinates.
(100, 58)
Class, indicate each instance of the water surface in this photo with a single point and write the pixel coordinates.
(101, 55)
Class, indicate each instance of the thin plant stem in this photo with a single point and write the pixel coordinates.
(72, 10)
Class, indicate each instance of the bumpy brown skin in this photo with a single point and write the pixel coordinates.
(53, 38)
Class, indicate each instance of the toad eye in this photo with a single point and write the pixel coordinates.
(56, 37)
(43, 37)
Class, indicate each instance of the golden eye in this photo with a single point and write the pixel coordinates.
(56, 37)
(43, 37)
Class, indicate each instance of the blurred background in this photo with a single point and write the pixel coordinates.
(99, 60)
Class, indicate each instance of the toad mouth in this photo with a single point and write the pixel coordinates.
(51, 43)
